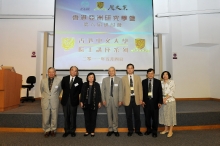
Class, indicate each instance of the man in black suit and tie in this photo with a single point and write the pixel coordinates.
(152, 100)
(71, 86)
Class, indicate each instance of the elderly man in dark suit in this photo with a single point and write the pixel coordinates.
(152, 100)
(71, 86)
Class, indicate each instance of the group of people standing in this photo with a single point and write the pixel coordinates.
(155, 96)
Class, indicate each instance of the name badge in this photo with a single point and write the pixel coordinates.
(149, 93)
(56, 86)
(116, 84)
(76, 84)
(132, 88)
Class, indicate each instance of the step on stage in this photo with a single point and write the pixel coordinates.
(191, 115)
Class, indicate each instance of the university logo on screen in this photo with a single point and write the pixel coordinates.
(85, 6)
(68, 43)
(100, 6)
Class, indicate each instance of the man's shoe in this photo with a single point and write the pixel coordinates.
(130, 134)
(53, 133)
(139, 133)
(65, 134)
(47, 134)
(154, 135)
(73, 134)
(116, 134)
(109, 133)
(147, 133)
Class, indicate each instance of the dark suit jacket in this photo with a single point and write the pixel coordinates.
(157, 92)
(84, 94)
(73, 92)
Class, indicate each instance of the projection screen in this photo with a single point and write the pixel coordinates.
(94, 35)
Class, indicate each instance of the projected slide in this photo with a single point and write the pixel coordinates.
(94, 35)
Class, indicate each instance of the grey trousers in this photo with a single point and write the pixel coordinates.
(49, 119)
(112, 113)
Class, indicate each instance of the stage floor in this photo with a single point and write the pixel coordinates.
(193, 106)
(189, 113)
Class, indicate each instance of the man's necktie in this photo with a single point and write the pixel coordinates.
(149, 87)
(50, 84)
(71, 83)
(131, 85)
(111, 93)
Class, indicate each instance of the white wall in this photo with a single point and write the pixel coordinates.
(161, 25)
(209, 32)
(27, 7)
(19, 37)
(17, 41)
(195, 71)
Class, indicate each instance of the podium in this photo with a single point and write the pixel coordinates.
(10, 89)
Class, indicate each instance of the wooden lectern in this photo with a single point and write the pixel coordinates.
(10, 89)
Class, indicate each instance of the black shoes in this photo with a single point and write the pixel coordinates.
(147, 133)
(92, 134)
(65, 134)
(130, 134)
(73, 134)
(139, 133)
(109, 133)
(116, 134)
(154, 135)
(86, 134)
(47, 134)
(53, 133)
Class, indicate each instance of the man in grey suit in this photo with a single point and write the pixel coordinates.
(112, 99)
(50, 90)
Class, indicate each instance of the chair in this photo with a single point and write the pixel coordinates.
(30, 80)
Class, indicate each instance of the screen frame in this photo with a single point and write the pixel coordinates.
(101, 69)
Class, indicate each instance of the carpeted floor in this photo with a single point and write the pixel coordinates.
(180, 138)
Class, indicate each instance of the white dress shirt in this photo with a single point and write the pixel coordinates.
(111, 80)
(72, 77)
